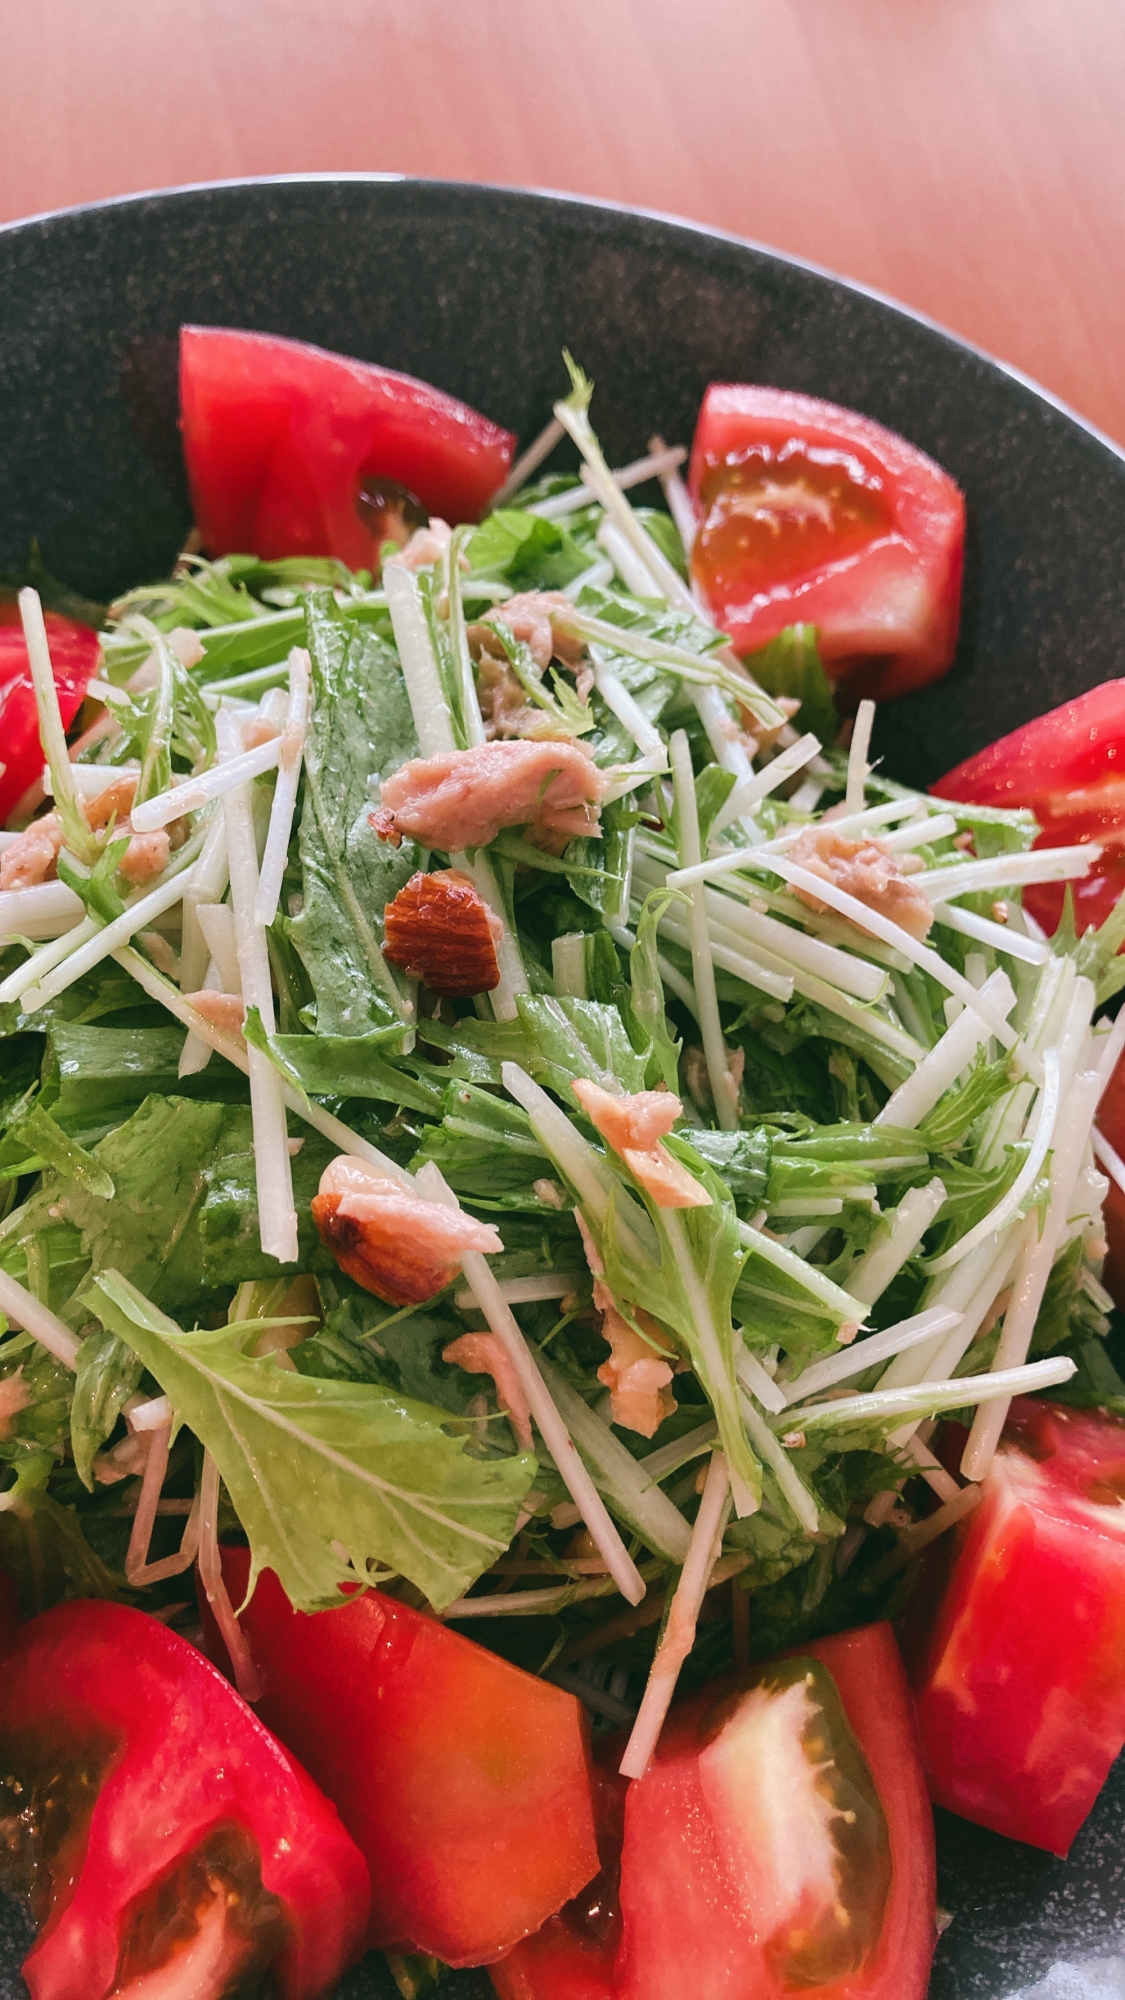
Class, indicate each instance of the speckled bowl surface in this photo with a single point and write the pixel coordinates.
(477, 289)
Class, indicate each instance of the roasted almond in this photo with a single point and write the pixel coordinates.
(403, 1270)
(444, 934)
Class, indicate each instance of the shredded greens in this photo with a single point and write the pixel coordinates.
(673, 948)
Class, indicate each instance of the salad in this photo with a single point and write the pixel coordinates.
(565, 1195)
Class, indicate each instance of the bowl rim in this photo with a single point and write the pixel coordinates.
(519, 191)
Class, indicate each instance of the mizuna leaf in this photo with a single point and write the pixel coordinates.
(320, 1469)
(361, 731)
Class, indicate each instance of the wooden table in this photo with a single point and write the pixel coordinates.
(966, 156)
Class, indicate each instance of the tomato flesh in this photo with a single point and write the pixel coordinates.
(74, 657)
(1068, 768)
(808, 512)
(738, 1876)
(289, 447)
(465, 1782)
(1020, 1683)
(152, 1821)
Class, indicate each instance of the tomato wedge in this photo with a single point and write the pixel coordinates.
(781, 1841)
(1020, 1682)
(1068, 767)
(168, 1844)
(812, 513)
(74, 657)
(464, 1781)
(290, 449)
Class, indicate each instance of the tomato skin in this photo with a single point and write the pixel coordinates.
(465, 1782)
(189, 1756)
(1068, 768)
(1021, 1685)
(278, 435)
(873, 558)
(682, 1930)
(74, 657)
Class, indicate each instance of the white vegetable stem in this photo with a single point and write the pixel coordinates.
(912, 1102)
(1110, 1159)
(528, 462)
(1004, 871)
(592, 1180)
(639, 1502)
(930, 1398)
(290, 756)
(434, 725)
(893, 934)
(103, 940)
(838, 1304)
(721, 1389)
(919, 833)
(236, 769)
(826, 961)
(906, 1334)
(211, 1577)
(209, 879)
(750, 791)
(679, 1633)
(757, 1382)
(723, 1088)
(277, 1214)
(1034, 1268)
(858, 767)
(560, 504)
(216, 921)
(46, 910)
(620, 703)
(235, 1051)
(680, 504)
(1001, 937)
(51, 731)
(492, 1303)
(525, 1291)
(773, 1453)
(635, 574)
(432, 720)
(1010, 1204)
(869, 1277)
(24, 1309)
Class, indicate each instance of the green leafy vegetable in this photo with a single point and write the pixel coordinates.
(361, 731)
(791, 665)
(378, 1476)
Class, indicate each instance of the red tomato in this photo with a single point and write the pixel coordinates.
(465, 1781)
(162, 1822)
(812, 513)
(280, 437)
(1021, 1682)
(736, 1861)
(74, 657)
(1068, 767)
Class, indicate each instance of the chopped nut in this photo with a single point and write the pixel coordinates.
(391, 1241)
(443, 932)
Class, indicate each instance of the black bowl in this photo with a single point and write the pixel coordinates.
(477, 289)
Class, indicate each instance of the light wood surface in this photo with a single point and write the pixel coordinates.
(967, 156)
